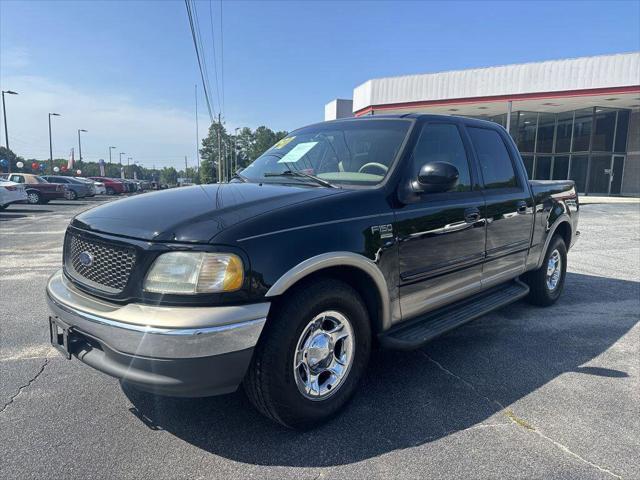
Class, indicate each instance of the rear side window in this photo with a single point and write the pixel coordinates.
(495, 162)
(441, 142)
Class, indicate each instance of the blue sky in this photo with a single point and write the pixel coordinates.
(126, 71)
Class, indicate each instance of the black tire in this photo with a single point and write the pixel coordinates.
(2, 207)
(270, 383)
(34, 197)
(540, 292)
(71, 195)
(110, 191)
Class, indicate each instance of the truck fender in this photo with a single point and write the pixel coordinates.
(337, 259)
(563, 218)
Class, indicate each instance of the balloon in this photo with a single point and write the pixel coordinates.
(56, 169)
(19, 164)
(78, 172)
(42, 166)
(63, 168)
(34, 166)
(3, 162)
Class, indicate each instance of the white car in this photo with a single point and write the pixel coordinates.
(11, 192)
(99, 186)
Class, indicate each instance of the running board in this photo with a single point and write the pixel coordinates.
(417, 332)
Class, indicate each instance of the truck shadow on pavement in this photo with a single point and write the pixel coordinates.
(406, 399)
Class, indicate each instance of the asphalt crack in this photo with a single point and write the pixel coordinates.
(519, 422)
(22, 388)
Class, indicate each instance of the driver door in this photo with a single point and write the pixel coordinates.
(441, 235)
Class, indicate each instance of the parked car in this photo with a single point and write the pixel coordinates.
(38, 189)
(112, 186)
(75, 188)
(98, 187)
(391, 230)
(11, 192)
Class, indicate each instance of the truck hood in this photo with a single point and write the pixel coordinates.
(193, 214)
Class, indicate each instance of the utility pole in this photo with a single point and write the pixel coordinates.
(219, 151)
(111, 148)
(4, 113)
(128, 169)
(185, 166)
(51, 143)
(235, 150)
(197, 132)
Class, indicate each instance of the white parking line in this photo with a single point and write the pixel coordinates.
(56, 232)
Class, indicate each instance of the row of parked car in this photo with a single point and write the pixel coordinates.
(39, 189)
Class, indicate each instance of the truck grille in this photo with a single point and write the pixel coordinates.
(98, 265)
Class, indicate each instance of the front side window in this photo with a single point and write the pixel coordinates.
(344, 153)
(495, 162)
(441, 142)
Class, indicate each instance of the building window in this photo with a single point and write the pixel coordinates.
(622, 127)
(563, 132)
(526, 133)
(546, 131)
(603, 130)
(582, 130)
(578, 171)
(560, 167)
(543, 168)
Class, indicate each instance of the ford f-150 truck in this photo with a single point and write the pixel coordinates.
(390, 229)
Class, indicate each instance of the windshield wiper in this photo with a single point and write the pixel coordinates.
(295, 173)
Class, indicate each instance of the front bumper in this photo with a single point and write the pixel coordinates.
(180, 351)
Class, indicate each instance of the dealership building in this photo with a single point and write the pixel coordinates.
(577, 118)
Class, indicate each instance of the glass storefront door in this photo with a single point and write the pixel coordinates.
(600, 175)
(616, 174)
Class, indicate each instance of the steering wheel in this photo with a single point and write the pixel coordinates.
(374, 165)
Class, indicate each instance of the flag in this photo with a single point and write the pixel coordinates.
(70, 162)
(101, 163)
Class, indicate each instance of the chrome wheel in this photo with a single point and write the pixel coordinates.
(554, 270)
(324, 355)
(33, 198)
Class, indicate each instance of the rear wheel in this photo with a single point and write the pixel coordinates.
(110, 191)
(34, 197)
(547, 282)
(311, 355)
(70, 195)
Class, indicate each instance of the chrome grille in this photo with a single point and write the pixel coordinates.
(110, 265)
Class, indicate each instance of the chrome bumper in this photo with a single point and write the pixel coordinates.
(154, 331)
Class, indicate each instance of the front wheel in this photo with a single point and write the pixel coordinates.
(70, 195)
(311, 355)
(547, 282)
(110, 191)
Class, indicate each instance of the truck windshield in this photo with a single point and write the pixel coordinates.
(349, 152)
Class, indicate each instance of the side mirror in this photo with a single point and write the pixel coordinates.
(436, 177)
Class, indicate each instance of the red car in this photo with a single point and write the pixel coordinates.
(38, 189)
(112, 186)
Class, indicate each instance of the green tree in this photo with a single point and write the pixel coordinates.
(209, 152)
(169, 175)
(263, 139)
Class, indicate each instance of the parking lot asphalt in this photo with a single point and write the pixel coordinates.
(524, 392)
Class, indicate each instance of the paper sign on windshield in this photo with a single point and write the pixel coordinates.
(297, 152)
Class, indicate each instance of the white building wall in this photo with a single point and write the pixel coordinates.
(558, 75)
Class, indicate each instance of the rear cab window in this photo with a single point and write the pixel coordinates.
(496, 166)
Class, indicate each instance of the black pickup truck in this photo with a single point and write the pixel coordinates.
(390, 229)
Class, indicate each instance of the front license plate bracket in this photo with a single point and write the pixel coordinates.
(59, 336)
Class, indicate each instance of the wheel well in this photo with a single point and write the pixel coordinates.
(357, 279)
(564, 230)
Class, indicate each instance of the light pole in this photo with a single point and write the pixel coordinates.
(128, 169)
(235, 150)
(121, 172)
(111, 148)
(80, 144)
(4, 113)
(51, 143)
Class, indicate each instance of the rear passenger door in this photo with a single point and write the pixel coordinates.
(441, 235)
(509, 206)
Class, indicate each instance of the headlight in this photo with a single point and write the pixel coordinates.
(189, 273)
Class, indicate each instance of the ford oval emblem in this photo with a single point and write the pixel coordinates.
(86, 259)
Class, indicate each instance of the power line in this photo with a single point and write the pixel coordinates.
(195, 45)
(215, 61)
(196, 22)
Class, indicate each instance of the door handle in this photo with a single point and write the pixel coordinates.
(522, 207)
(471, 215)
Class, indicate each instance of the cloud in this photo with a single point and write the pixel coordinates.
(159, 135)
